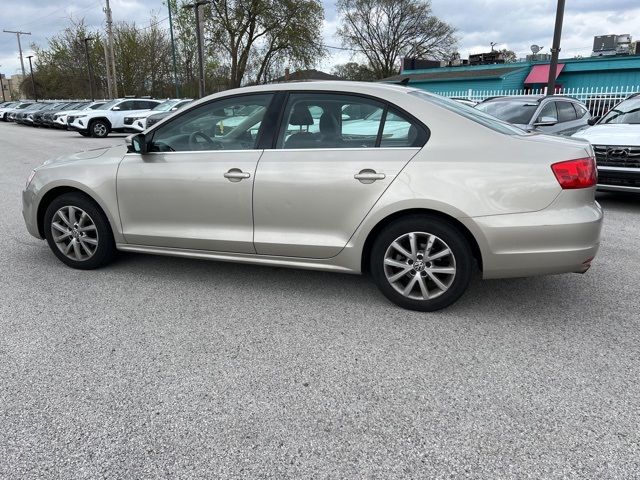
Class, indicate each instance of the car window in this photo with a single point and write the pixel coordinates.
(147, 104)
(581, 110)
(566, 112)
(320, 120)
(128, 105)
(549, 110)
(399, 131)
(225, 124)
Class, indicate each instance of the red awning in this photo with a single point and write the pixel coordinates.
(540, 73)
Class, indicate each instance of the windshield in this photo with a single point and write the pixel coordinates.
(108, 105)
(165, 106)
(625, 112)
(510, 111)
(469, 112)
(95, 106)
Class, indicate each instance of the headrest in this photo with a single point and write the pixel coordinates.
(300, 116)
(329, 124)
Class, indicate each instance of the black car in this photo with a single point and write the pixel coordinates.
(25, 117)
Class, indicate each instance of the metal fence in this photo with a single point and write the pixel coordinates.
(597, 100)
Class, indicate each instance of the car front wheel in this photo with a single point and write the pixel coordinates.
(78, 232)
(421, 263)
(99, 129)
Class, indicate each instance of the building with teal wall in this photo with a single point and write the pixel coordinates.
(591, 73)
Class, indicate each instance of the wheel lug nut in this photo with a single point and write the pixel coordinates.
(410, 262)
(424, 274)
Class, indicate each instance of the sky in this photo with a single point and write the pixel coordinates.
(512, 24)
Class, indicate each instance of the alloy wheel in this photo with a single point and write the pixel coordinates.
(99, 129)
(74, 233)
(419, 265)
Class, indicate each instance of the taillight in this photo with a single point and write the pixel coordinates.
(579, 173)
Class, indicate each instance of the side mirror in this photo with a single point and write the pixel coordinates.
(116, 108)
(593, 120)
(546, 122)
(137, 144)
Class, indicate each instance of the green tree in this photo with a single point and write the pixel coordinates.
(60, 69)
(354, 71)
(385, 30)
(253, 37)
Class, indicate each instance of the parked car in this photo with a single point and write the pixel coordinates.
(110, 118)
(418, 213)
(47, 117)
(616, 141)
(547, 114)
(38, 117)
(25, 117)
(156, 117)
(60, 118)
(137, 123)
(5, 113)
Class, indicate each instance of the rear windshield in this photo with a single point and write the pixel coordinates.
(509, 111)
(469, 112)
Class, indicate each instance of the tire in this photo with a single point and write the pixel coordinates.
(90, 235)
(99, 129)
(393, 271)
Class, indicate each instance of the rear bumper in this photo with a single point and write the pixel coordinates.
(562, 238)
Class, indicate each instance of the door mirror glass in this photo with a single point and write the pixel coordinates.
(546, 122)
(137, 144)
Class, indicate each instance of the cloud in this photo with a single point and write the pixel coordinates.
(514, 24)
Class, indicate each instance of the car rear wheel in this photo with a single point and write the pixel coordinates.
(421, 263)
(99, 129)
(78, 232)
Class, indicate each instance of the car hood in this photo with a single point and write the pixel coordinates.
(84, 155)
(620, 134)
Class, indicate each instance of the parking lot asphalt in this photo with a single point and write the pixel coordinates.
(161, 367)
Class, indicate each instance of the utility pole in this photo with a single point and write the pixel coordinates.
(112, 58)
(89, 69)
(555, 49)
(2, 88)
(19, 47)
(196, 6)
(106, 62)
(33, 82)
(173, 52)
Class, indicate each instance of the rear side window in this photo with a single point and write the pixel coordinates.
(334, 120)
(566, 112)
(581, 110)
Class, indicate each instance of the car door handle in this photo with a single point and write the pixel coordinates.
(235, 175)
(369, 176)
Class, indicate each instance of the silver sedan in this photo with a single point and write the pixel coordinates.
(414, 189)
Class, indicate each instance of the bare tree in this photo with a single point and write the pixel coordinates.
(385, 30)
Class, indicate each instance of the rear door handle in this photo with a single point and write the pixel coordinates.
(369, 176)
(235, 175)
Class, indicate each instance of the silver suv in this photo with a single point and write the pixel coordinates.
(547, 114)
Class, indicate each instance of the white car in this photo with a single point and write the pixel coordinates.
(60, 118)
(16, 107)
(616, 141)
(137, 123)
(110, 118)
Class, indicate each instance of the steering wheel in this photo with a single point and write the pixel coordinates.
(209, 143)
